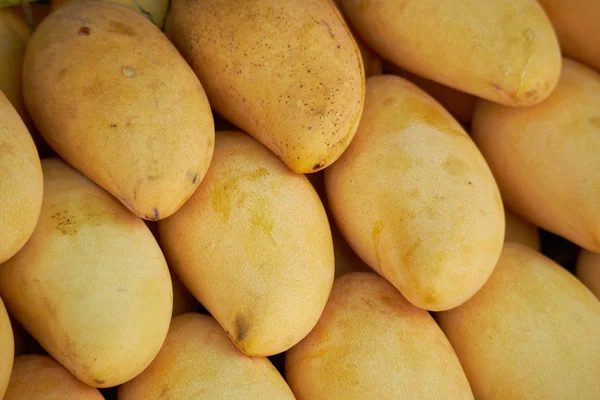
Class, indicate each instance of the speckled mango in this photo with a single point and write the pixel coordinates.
(254, 246)
(115, 99)
(415, 199)
(91, 285)
(289, 73)
(198, 361)
(21, 182)
(371, 343)
(546, 158)
(7, 343)
(39, 377)
(531, 332)
(502, 50)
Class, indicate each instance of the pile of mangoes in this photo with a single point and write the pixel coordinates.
(257, 199)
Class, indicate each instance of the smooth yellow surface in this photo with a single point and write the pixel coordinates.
(415, 199)
(21, 182)
(287, 72)
(577, 27)
(371, 343)
(198, 361)
(531, 332)
(588, 270)
(91, 285)
(117, 101)
(502, 50)
(41, 378)
(546, 158)
(253, 245)
(521, 231)
(154, 10)
(7, 343)
(15, 34)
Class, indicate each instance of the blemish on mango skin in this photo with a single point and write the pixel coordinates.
(118, 27)
(226, 193)
(241, 327)
(376, 236)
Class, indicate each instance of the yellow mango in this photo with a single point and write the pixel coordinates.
(588, 270)
(289, 73)
(372, 343)
(521, 231)
(253, 245)
(154, 10)
(115, 99)
(577, 27)
(21, 182)
(7, 343)
(91, 285)
(198, 361)
(546, 159)
(415, 199)
(503, 50)
(39, 377)
(531, 332)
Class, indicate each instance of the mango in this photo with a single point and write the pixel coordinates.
(521, 231)
(198, 361)
(39, 377)
(21, 182)
(588, 270)
(576, 24)
(372, 343)
(289, 73)
(7, 344)
(505, 51)
(545, 158)
(15, 34)
(415, 199)
(254, 246)
(154, 10)
(531, 332)
(91, 285)
(114, 98)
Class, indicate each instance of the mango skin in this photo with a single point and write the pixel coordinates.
(576, 24)
(15, 34)
(545, 157)
(91, 285)
(254, 246)
(198, 361)
(39, 377)
(7, 343)
(411, 358)
(21, 182)
(289, 73)
(415, 199)
(154, 10)
(587, 270)
(531, 332)
(114, 98)
(503, 50)
(521, 231)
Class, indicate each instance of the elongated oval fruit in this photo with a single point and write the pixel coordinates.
(289, 73)
(521, 231)
(39, 377)
(21, 182)
(115, 99)
(198, 361)
(546, 158)
(15, 34)
(372, 343)
(531, 332)
(253, 245)
(7, 343)
(91, 285)
(577, 27)
(588, 270)
(503, 50)
(415, 199)
(154, 10)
